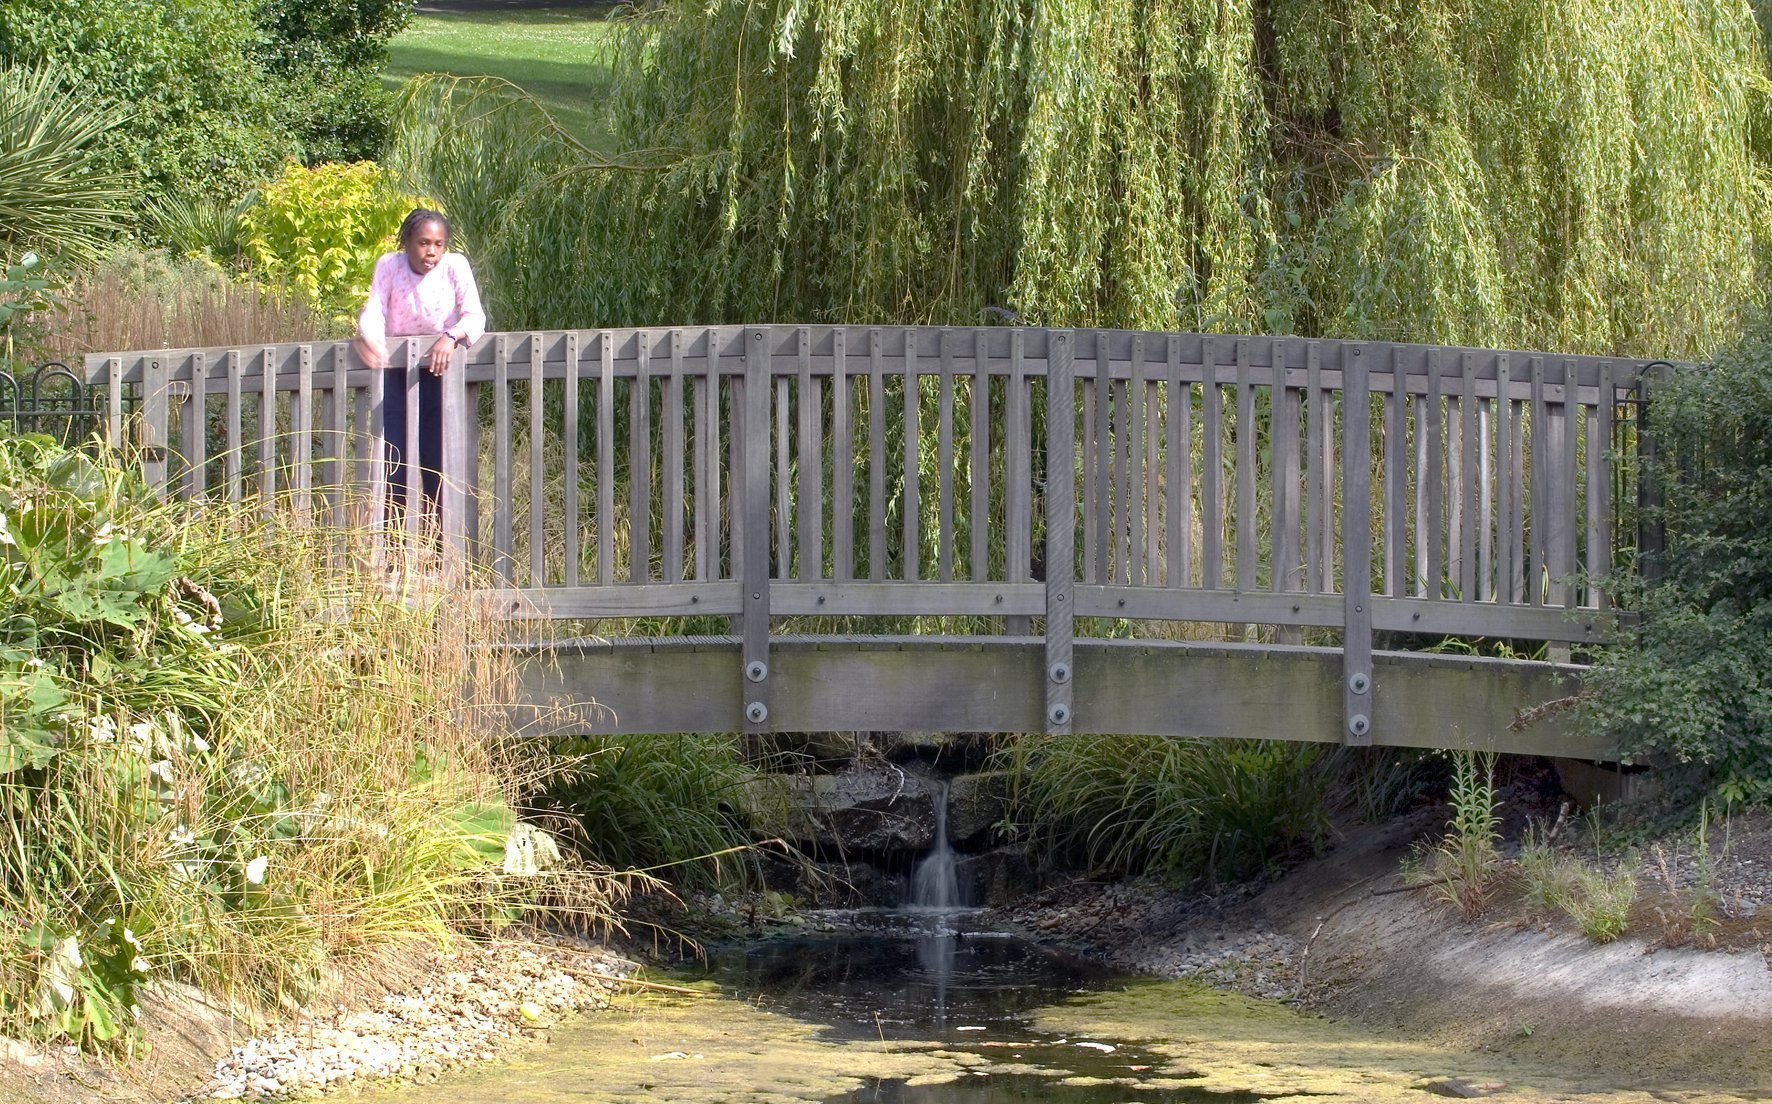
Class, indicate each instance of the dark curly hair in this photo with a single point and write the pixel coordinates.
(420, 216)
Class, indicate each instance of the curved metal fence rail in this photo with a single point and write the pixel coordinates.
(51, 399)
(1052, 481)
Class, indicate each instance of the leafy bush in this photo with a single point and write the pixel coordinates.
(219, 92)
(330, 53)
(1694, 684)
(57, 194)
(227, 754)
(203, 116)
(1179, 808)
(320, 230)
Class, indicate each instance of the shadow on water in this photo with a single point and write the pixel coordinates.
(924, 977)
(915, 977)
(1016, 1088)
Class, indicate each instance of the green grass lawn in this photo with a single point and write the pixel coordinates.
(558, 54)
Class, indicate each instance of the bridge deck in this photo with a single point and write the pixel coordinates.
(997, 684)
(1049, 485)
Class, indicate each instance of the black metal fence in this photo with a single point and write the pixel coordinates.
(53, 400)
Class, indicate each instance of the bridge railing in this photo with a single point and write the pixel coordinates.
(771, 471)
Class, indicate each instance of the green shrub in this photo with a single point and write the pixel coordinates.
(219, 92)
(329, 53)
(1179, 808)
(320, 230)
(1694, 683)
(203, 115)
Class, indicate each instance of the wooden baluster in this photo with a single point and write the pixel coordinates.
(640, 462)
(811, 455)
(1396, 481)
(1246, 469)
(944, 459)
(843, 460)
(1018, 508)
(1285, 572)
(978, 423)
(605, 457)
(1316, 556)
(1211, 471)
(912, 441)
(232, 462)
(569, 459)
(1599, 487)
(671, 410)
(1539, 523)
(876, 455)
(1179, 477)
(538, 472)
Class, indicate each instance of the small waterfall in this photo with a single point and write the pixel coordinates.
(935, 884)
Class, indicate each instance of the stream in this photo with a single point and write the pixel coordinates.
(917, 1006)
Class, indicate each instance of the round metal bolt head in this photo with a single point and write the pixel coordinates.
(756, 712)
(756, 670)
(1060, 672)
(1059, 714)
(1358, 724)
(1358, 682)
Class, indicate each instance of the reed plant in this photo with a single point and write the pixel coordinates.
(154, 300)
(231, 755)
(1171, 807)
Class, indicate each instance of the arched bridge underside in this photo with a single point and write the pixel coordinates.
(794, 528)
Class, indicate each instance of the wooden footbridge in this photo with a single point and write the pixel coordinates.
(978, 529)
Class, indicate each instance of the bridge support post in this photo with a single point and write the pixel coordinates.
(1061, 527)
(1356, 545)
(752, 488)
(156, 410)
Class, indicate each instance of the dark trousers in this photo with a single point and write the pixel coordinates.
(430, 442)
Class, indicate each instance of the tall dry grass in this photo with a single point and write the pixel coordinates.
(284, 770)
(152, 300)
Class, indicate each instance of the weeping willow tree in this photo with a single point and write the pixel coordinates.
(1574, 174)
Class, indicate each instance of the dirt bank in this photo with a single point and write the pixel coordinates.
(1342, 934)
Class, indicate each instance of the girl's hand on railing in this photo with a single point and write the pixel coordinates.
(374, 355)
(440, 355)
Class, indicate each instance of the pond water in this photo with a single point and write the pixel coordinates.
(920, 1008)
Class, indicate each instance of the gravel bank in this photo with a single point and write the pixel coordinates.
(479, 1002)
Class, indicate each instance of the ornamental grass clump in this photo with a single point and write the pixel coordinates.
(230, 756)
(1171, 807)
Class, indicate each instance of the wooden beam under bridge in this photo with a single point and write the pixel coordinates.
(998, 684)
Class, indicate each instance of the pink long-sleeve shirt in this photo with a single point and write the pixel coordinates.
(402, 303)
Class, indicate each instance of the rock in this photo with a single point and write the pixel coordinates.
(977, 804)
(881, 808)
